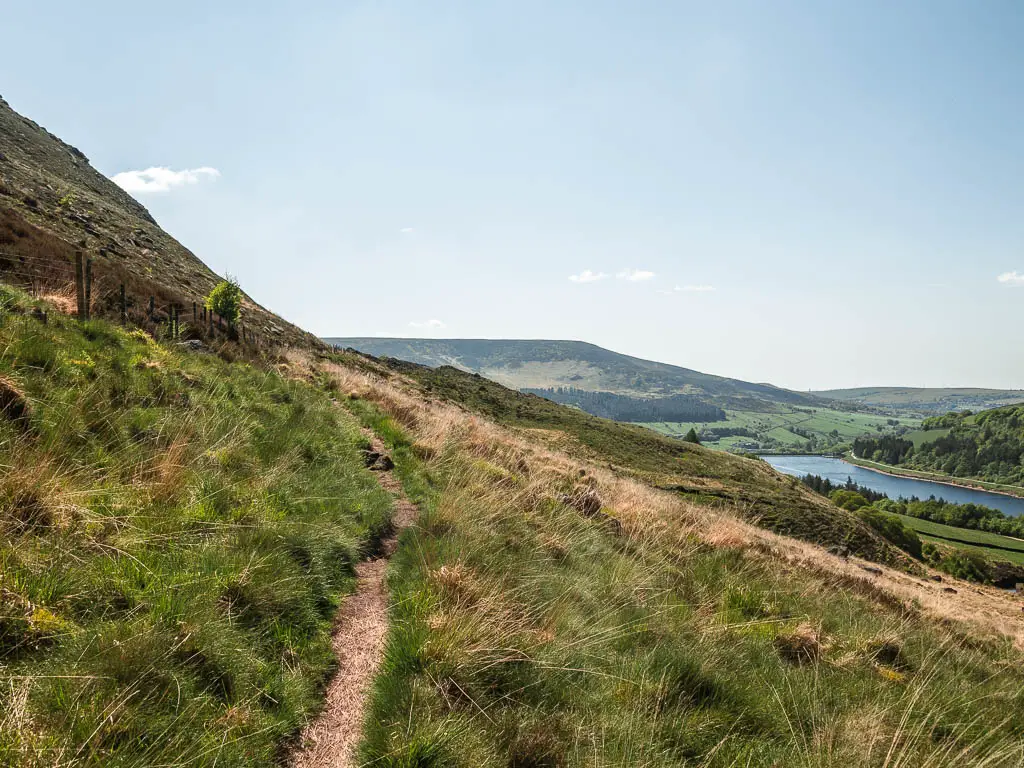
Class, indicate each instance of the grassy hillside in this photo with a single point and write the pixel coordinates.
(926, 400)
(52, 202)
(527, 632)
(175, 534)
(178, 530)
(751, 486)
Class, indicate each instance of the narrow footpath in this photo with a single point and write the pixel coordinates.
(358, 642)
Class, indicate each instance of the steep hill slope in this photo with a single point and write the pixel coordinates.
(926, 400)
(53, 202)
(523, 364)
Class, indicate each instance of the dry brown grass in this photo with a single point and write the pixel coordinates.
(35, 497)
(166, 475)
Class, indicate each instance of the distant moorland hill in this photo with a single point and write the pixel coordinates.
(926, 400)
(540, 364)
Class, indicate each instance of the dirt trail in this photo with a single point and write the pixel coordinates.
(358, 642)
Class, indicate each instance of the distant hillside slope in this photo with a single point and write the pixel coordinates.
(523, 364)
(53, 202)
(926, 399)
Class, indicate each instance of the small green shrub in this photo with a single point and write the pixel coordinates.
(226, 300)
(893, 530)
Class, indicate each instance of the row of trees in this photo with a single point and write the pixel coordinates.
(825, 487)
(609, 405)
(972, 516)
(888, 449)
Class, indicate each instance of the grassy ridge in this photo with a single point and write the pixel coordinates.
(935, 400)
(525, 634)
(174, 533)
(747, 485)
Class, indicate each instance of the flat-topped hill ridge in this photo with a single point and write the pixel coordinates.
(523, 364)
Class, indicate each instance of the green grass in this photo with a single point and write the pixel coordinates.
(524, 634)
(992, 544)
(175, 533)
(921, 436)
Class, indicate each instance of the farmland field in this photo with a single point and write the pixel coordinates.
(774, 430)
(990, 544)
(921, 436)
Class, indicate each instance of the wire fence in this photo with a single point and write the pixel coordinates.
(84, 285)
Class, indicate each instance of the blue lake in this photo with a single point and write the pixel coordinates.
(838, 470)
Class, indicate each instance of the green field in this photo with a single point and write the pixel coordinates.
(990, 544)
(828, 425)
(921, 436)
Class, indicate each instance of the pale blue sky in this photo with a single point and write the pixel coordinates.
(847, 176)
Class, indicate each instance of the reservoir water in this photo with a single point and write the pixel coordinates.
(838, 470)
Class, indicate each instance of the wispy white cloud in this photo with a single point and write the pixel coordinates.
(162, 179)
(407, 230)
(687, 289)
(432, 323)
(635, 275)
(586, 276)
(1011, 278)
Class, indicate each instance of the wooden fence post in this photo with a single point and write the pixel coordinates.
(152, 307)
(88, 288)
(195, 313)
(124, 307)
(79, 285)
